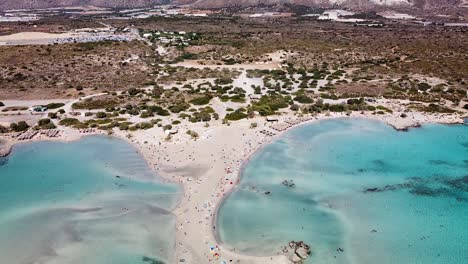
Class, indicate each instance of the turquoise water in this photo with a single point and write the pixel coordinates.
(380, 195)
(89, 201)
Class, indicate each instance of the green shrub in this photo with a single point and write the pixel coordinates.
(201, 100)
(124, 126)
(52, 115)
(179, 107)
(4, 129)
(54, 105)
(383, 108)
(144, 125)
(236, 115)
(158, 110)
(69, 122)
(19, 127)
(45, 123)
(193, 134)
(92, 103)
(268, 104)
(101, 115)
(303, 99)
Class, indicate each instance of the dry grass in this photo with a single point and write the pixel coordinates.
(58, 71)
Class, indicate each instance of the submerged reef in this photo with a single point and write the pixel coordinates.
(435, 186)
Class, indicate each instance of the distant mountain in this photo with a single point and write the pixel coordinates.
(36, 4)
(356, 4)
(353, 4)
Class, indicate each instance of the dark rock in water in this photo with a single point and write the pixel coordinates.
(267, 193)
(151, 260)
(289, 183)
(393, 187)
(430, 187)
(458, 183)
(3, 161)
(117, 176)
(379, 163)
(406, 129)
(428, 191)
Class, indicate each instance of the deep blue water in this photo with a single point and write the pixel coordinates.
(89, 201)
(380, 195)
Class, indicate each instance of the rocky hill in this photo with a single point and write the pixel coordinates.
(353, 4)
(35, 4)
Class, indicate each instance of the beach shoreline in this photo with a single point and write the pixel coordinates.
(209, 173)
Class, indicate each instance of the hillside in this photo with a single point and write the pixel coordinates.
(352, 4)
(35, 4)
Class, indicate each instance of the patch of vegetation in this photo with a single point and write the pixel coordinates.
(433, 108)
(144, 125)
(45, 123)
(383, 108)
(14, 108)
(54, 105)
(93, 103)
(269, 104)
(152, 260)
(192, 134)
(19, 127)
(303, 98)
(202, 100)
(68, 121)
(236, 115)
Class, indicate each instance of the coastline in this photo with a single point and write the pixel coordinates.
(219, 166)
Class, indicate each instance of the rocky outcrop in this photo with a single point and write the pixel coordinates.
(301, 251)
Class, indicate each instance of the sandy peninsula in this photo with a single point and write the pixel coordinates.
(210, 167)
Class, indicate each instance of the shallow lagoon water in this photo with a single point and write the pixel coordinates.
(379, 195)
(89, 201)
